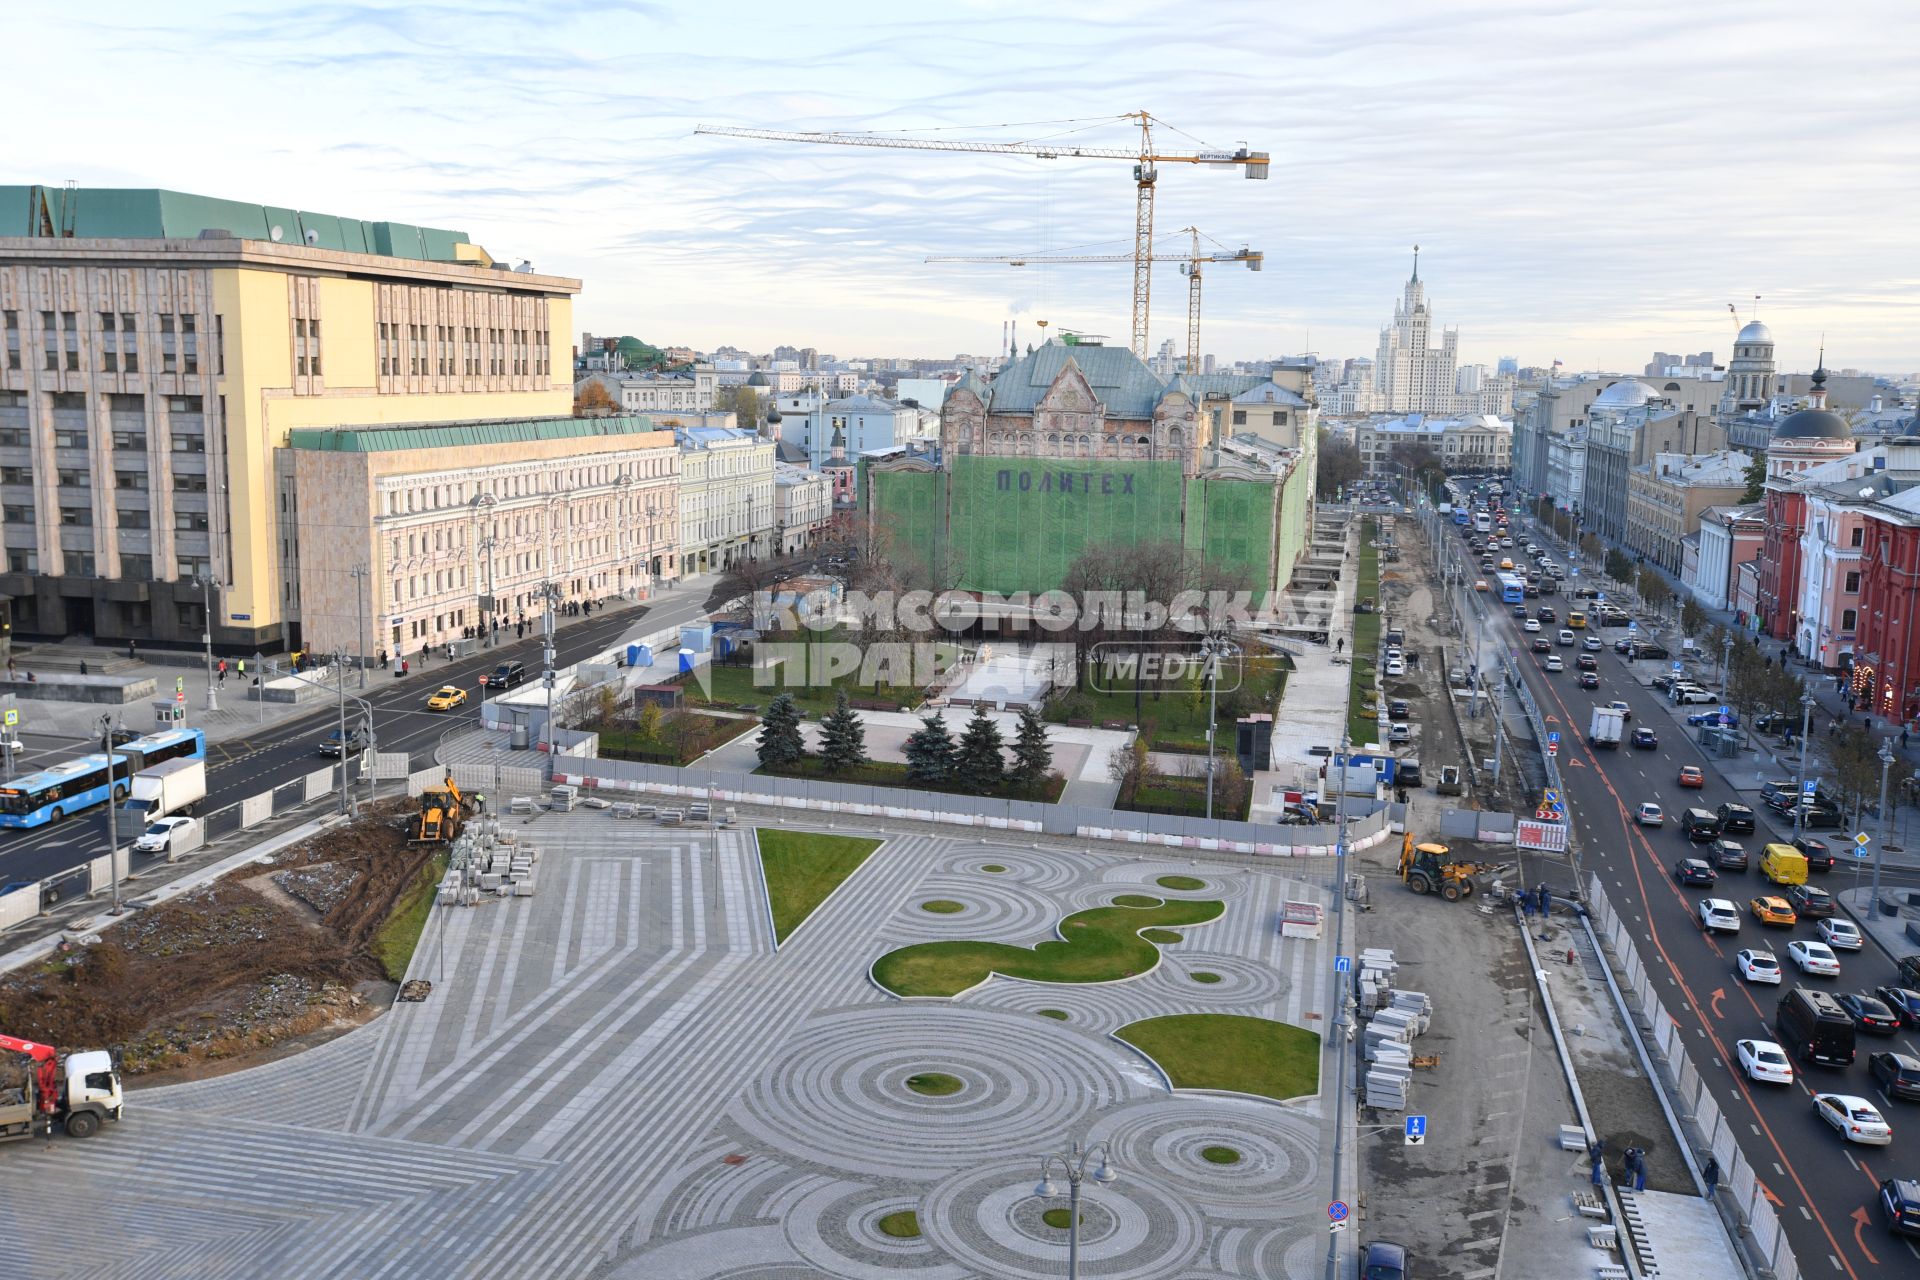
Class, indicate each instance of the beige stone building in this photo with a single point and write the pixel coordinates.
(726, 497)
(802, 507)
(1667, 496)
(401, 536)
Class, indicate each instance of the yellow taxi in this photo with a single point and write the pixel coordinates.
(1506, 566)
(1772, 910)
(446, 698)
(1577, 620)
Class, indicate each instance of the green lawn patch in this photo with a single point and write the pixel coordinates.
(1220, 1155)
(1103, 944)
(394, 943)
(1058, 1015)
(1182, 884)
(1161, 937)
(994, 867)
(1229, 1051)
(1135, 900)
(904, 1224)
(935, 1084)
(1059, 1219)
(677, 744)
(1202, 976)
(802, 868)
(943, 906)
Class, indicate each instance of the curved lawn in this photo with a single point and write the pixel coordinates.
(1099, 945)
(1230, 1051)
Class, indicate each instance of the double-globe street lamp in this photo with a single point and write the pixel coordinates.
(1074, 1165)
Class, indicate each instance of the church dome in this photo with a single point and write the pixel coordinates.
(1627, 394)
(1818, 422)
(757, 379)
(1754, 332)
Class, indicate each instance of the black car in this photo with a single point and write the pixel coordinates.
(1820, 817)
(1904, 1001)
(1778, 792)
(1810, 903)
(507, 675)
(1910, 971)
(1869, 1013)
(1542, 645)
(1547, 616)
(1692, 871)
(1736, 817)
(1397, 709)
(1589, 680)
(1645, 738)
(1897, 1073)
(1900, 1205)
(1728, 855)
(1819, 857)
(1383, 1260)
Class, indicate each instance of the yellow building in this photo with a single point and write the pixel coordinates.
(159, 349)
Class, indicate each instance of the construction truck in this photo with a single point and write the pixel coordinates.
(39, 1086)
(441, 811)
(1432, 868)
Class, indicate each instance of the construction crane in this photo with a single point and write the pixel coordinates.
(1145, 175)
(1190, 264)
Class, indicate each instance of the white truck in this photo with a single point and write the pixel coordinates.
(166, 789)
(1608, 726)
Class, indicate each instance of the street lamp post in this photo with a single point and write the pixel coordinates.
(206, 622)
(360, 637)
(1339, 993)
(483, 565)
(113, 812)
(1800, 778)
(1886, 764)
(1215, 648)
(1074, 1165)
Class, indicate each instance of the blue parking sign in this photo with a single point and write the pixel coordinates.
(1811, 787)
(1632, 626)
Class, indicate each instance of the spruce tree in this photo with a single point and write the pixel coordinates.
(781, 746)
(930, 753)
(843, 739)
(1032, 754)
(978, 766)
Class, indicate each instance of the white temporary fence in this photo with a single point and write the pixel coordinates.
(1690, 1093)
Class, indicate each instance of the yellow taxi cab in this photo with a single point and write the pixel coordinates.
(1577, 620)
(446, 698)
(1772, 910)
(1506, 566)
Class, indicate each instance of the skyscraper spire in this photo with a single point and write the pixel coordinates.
(1416, 264)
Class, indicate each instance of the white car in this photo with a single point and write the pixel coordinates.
(1396, 666)
(1719, 915)
(1856, 1118)
(1530, 625)
(1554, 663)
(1759, 966)
(1591, 644)
(1814, 957)
(1565, 637)
(160, 836)
(1650, 814)
(1843, 935)
(1693, 695)
(1765, 1061)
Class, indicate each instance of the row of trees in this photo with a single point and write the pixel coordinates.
(975, 763)
(843, 738)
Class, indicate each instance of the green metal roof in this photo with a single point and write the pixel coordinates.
(462, 435)
(149, 213)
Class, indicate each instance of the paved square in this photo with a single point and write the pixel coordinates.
(622, 1078)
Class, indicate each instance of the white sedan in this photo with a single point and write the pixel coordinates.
(1396, 666)
(1759, 966)
(1856, 1118)
(1719, 915)
(1815, 958)
(1531, 624)
(1765, 1061)
(1843, 935)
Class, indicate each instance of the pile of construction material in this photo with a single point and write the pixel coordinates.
(489, 861)
(1394, 1019)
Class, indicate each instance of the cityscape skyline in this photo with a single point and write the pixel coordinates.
(524, 127)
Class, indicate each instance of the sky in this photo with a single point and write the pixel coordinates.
(1588, 182)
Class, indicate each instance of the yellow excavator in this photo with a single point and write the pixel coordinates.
(441, 812)
(1432, 868)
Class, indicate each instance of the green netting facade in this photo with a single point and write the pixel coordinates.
(1233, 521)
(909, 508)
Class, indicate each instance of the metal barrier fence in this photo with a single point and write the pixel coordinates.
(1690, 1094)
(1363, 830)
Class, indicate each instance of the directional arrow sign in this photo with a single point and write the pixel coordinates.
(1416, 1131)
(1343, 964)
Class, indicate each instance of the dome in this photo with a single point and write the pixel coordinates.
(1813, 424)
(1755, 332)
(757, 379)
(1626, 394)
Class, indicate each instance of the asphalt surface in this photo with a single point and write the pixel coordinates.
(1823, 1186)
(287, 750)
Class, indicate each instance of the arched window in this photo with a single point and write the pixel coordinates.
(1173, 437)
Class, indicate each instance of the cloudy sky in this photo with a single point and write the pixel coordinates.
(1589, 182)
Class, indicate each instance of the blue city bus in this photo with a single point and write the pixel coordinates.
(1513, 588)
(1460, 513)
(62, 790)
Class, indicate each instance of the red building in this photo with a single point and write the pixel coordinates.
(1886, 664)
(1780, 561)
(1796, 453)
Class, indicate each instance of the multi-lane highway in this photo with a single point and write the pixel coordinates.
(1825, 1188)
(286, 749)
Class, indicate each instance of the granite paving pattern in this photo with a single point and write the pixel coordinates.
(621, 1077)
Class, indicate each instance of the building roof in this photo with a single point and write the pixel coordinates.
(758, 379)
(861, 404)
(1628, 393)
(1730, 514)
(1723, 469)
(701, 437)
(1817, 423)
(461, 435)
(150, 213)
(1271, 393)
(1754, 331)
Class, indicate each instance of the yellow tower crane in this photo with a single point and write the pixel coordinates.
(1190, 264)
(1146, 158)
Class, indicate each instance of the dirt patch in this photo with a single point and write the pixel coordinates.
(239, 966)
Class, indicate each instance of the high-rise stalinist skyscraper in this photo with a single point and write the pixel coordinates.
(1411, 375)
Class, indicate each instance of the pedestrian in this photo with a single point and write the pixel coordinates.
(83, 666)
(12, 674)
(1903, 739)
(1339, 644)
(1710, 1174)
(132, 654)
(380, 655)
(1526, 908)
(1546, 901)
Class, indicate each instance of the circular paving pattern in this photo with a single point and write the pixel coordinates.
(993, 909)
(1234, 979)
(1278, 1169)
(990, 1221)
(1035, 868)
(838, 1230)
(839, 1095)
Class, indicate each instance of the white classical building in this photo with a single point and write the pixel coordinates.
(1730, 536)
(726, 497)
(802, 506)
(1410, 374)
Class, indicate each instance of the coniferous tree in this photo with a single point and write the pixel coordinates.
(1032, 754)
(843, 738)
(781, 745)
(979, 766)
(930, 752)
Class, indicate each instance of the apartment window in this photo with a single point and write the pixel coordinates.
(192, 570)
(1859, 536)
(135, 520)
(23, 562)
(190, 521)
(77, 516)
(183, 443)
(12, 327)
(1849, 618)
(130, 441)
(69, 439)
(80, 565)
(185, 404)
(220, 345)
(186, 483)
(189, 345)
(72, 479)
(129, 343)
(136, 568)
(168, 354)
(129, 479)
(385, 340)
(16, 475)
(50, 339)
(1853, 583)
(306, 347)
(109, 345)
(16, 513)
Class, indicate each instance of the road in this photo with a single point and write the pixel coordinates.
(283, 751)
(1823, 1186)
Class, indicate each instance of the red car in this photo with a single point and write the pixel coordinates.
(1690, 776)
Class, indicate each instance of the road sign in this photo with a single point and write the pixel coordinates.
(1539, 835)
(1550, 796)
(13, 718)
(1553, 736)
(1811, 787)
(1677, 668)
(1337, 1211)
(179, 684)
(1343, 964)
(1862, 840)
(1337, 1227)
(1632, 626)
(1416, 1131)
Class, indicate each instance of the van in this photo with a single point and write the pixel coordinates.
(1577, 620)
(1700, 826)
(1783, 864)
(1813, 1027)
